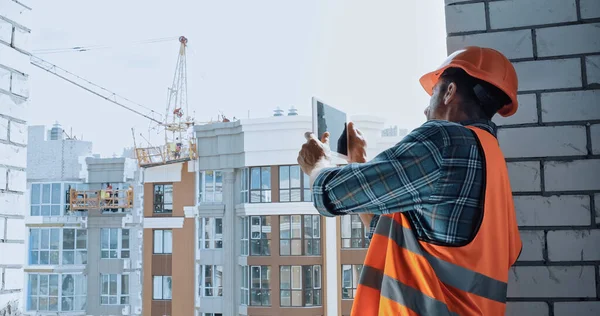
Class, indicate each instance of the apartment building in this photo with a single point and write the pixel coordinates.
(235, 231)
(84, 245)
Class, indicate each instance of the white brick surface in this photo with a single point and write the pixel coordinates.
(577, 308)
(592, 67)
(14, 59)
(533, 245)
(595, 134)
(12, 106)
(568, 40)
(21, 39)
(556, 210)
(3, 128)
(557, 141)
(549, 74)
(5, 31)
(527, 309)
(3, 178)
(14, 279)
(17, 180)
(589, 9)
(19, 85)
(465, 18)
(513, 44)
(13, 155)
(17, 253)
(572, 175)
(524, 176)
(15, 12)
(526, 113)
(5, 79)
(570, 106)
(544, 281)
(574, 245)
(517, 13)
(12, 204)
(15, 229)
(18, 133)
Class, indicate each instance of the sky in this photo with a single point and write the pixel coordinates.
(244, 59)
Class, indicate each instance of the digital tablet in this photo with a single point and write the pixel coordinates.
(327, 118)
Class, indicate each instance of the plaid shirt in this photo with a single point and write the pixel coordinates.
(435, 176)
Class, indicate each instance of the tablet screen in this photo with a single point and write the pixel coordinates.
(334, 121)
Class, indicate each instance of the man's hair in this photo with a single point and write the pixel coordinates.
(481, 100)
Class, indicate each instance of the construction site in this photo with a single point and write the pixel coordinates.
(216, 217)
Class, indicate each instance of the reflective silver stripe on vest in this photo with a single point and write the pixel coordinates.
(403, 294)
(449, 273)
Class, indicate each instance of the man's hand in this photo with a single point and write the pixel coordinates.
(314, 153)
(357, 145)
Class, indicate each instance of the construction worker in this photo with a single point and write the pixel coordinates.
(445, 227)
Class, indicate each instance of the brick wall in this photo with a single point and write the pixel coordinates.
(552, 144)
(14, 69)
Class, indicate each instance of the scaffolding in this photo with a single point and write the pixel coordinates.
(80, 200)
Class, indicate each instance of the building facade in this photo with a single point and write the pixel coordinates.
(241, 235)
(81, 259)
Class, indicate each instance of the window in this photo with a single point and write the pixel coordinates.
(163, 241)
(354, 232)
(56, 292)
(74, 250)
(260, 285)
(115, 289)
(245, 285)
(350, 277)
(260, 235)
(163, 198)
(161, 288)
(299, 235)
(260, 184)
(300, 285)
(245, 229)
(294, 185)
(211, 187)
(210, 314)
(114, 243)
(44, 246)
(244, 184)
(211, 280)
(210, 233)
(45, 199)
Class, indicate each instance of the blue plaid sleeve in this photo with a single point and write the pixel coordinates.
(394, 181)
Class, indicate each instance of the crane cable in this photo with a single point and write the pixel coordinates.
(76, 49)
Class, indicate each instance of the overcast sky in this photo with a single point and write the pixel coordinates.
(244, 57)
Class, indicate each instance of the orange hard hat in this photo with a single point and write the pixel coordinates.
(485, 64)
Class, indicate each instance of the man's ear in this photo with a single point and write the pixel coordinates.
(450, 93)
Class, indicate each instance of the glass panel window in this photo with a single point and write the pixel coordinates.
(46, 199)
(291, 186)
(210, 233)
(74, 246)
(44, 246)
(300, 286)
(163, 241)
(244, 185)
(260, 185)
(350, 277)
(245, 285)
(299, 235)
(114, 243)
(161, 287)
(245, 229)
(56, 292)
(163, 198)
(211, 187)
(114, 289)
(354, 232)
(211, 280)
(260, 235)
(260, 285)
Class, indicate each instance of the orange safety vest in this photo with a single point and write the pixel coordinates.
(405, 276)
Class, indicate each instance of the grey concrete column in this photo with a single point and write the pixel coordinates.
(229, 264)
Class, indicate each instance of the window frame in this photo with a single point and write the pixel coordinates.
(55, 208)
(164, 279)
(215, 240)
(262, 291)
(163, 243)
(216, 287)
(120, 297)
(59, 253)
(264, 239)
(245, 286)
(245, 185)
(303, 288)
(303, 187)
(120, 250)
(355, 271)
(264, 191)
(363, 241)
(203, 193)
(159, 204)
(308, 243)
(77, 251)
(77, 297)
(245, 238)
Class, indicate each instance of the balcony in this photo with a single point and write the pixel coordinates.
(101, 199)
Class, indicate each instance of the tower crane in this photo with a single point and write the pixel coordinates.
(179, 143)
